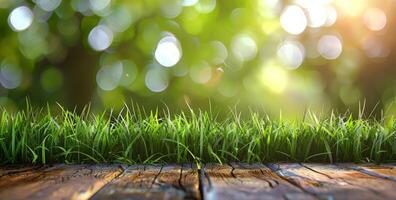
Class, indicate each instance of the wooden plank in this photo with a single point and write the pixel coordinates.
(57, 182)
(9, 179)
(153, 182)
(13, 169)
(380, 171)
(330, 182)
(242, 181)
(382, 187)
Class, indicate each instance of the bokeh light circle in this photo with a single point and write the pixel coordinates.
(291, 53)
(109, 76)
(10, 76)
(201, 72)
(156, 80)
(168, 52)
(332, 16)
(329, 47)
(189, 2)
(220, 52)
(99, 5)
(317, 16)
(20, 18)
(129, 73)
(375, 19)
(244, 47)
(100, 38)
(48, 5)
(205, 6)
(293, 20)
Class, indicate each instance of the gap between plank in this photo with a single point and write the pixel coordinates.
(201, 179)
(271, 167)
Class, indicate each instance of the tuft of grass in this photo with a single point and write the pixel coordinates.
(134, 136)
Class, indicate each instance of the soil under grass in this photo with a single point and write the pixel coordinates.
(132, 137)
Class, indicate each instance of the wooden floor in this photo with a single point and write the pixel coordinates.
(232, 181)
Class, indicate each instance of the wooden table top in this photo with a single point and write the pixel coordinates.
(213, 181)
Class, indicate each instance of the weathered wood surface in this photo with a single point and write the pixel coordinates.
(13, 169)
(153, 182)
(336, 182)
(383, 171)
(57, 182)
(382, 188)
(241, 181)
(229, 181)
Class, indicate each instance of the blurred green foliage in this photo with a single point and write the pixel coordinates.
(267, 54)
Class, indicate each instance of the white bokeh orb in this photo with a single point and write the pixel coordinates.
(20, 18)
(156, 80)
(293, 20)
(48, 5)
(329, 47)
(100, 38)
(291, 53)
(375, 19)
(244, 47)
(168, 52)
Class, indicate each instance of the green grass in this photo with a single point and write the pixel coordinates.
(133, 136)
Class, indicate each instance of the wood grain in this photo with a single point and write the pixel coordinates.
(57, 182)
(384, 189)
(380, 171)
(153, 182)
(241, 181)
(333, 182)
(13, 169)
(214, 181)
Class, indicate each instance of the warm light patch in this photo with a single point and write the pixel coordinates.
(351, 7)
(274, 77)
(375, 19)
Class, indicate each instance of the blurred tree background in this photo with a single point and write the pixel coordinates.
(268, 54)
